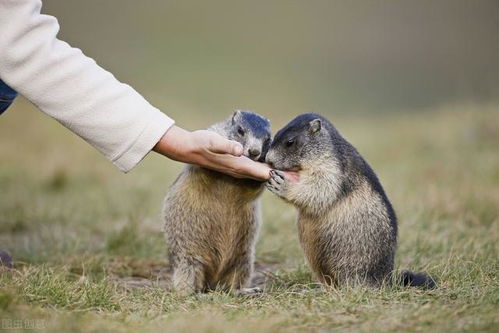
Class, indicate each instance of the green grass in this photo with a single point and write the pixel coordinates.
(90, 256)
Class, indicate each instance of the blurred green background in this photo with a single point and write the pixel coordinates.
(292, 56)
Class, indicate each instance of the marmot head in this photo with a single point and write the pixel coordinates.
(302, 142)
(252, 131)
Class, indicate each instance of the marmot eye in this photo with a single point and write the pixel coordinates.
(240, 131)
(289, 143)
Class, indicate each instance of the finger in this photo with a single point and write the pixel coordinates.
(249, 168)
(241, 167)
(220, 145)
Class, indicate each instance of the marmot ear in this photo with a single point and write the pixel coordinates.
(236, 116)
(315, 125)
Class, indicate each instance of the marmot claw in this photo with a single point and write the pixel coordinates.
(277, 183)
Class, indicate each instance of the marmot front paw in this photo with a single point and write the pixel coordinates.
(277, 183)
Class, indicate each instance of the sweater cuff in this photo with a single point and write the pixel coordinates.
(152, 133)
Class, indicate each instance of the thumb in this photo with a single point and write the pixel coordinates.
(220, 145)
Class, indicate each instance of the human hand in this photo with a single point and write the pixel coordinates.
(210, 150)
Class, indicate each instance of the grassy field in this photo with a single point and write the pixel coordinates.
(90, 256)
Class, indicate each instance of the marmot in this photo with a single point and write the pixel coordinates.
(212, 220)
(347, 226)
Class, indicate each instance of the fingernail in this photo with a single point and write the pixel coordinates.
(238, 149)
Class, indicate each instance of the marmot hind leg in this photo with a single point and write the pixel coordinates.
(188, 277)
(238, 277)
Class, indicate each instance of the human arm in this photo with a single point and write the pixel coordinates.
(71, 88)
(111, 116)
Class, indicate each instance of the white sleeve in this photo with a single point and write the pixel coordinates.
(73, 89)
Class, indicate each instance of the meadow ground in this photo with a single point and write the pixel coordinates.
(90, 256)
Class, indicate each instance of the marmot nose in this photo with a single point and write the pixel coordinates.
(254, 152)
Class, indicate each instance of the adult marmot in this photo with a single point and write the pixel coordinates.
(212, 219)
(347, 226)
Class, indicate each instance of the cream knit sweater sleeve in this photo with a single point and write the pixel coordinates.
(73, 89)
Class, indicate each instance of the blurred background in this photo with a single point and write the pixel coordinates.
(292, 56)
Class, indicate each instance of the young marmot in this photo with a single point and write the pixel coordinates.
(212, 219)
(347, 226)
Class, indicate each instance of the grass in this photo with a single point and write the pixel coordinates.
(90, 256)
